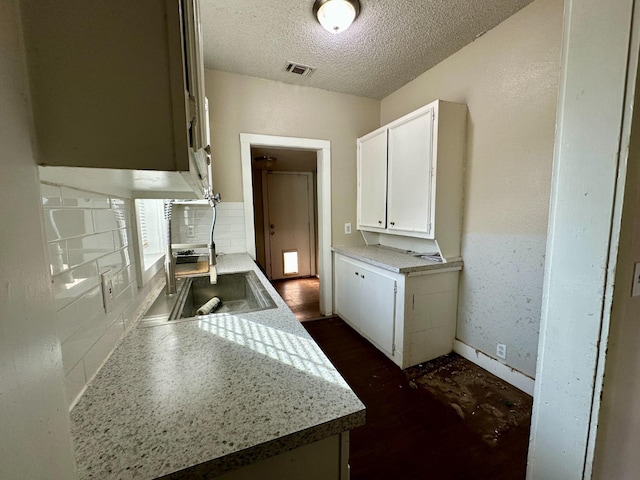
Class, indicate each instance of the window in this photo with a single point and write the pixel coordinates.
(151, 236)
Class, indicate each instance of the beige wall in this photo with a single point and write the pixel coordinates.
(241, 104)
(509, 80)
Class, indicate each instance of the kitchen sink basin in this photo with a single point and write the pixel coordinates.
(240, 292)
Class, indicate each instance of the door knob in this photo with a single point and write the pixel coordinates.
(272, 226)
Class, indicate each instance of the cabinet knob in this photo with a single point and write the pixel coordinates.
(362, 276)
(357, 274)
(380, 222)
(393, 223)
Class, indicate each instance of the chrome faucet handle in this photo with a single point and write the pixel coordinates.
(211, 197)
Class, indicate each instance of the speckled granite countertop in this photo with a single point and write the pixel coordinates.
(397, 261)
(197, 398)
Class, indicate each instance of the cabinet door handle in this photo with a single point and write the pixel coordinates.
(362, 276)
(393, 223)
(357, 274)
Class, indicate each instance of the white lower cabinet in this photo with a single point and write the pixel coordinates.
(366, 299)
(411, 318)
(325, 459)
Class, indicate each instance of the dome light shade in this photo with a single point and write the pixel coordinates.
(336, 15)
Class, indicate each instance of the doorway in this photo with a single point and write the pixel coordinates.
(319, 157)
(288, 204)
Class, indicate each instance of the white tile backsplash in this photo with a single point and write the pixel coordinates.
(229, 232)
(51, 196)
(67, 322)
(91, 247)
(105, 220)
(58, 256)
(121, 238)
(88, 234)
(77, 198)
(72, 284)
(89, 303)
(102, 348)
(78, 344)
(75, 381)
(67, 223)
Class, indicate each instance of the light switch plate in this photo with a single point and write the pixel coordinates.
(347, 228)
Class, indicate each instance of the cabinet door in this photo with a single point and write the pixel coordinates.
(367, 301)
(347, 291)
(410, 193)
(378, 309)
(372, 180)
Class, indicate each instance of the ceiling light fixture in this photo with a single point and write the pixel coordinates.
(336, 15)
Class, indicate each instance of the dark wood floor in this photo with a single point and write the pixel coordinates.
(409, 434)
(301, 295)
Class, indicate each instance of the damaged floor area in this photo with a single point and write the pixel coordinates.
(444, 420)
(490, 406)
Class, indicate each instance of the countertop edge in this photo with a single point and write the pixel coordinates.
(349, 252)
(266, 450)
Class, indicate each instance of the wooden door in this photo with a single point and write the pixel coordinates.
(289, 226)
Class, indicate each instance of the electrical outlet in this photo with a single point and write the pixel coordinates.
(635, 291)
(501, 351)
(108, 294)
(347, 228)
(191, 231)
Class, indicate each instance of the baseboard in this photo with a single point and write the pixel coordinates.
(500, 370)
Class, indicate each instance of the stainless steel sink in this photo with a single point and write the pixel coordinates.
(240, 292)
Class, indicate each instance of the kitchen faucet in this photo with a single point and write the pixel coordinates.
(213, 199)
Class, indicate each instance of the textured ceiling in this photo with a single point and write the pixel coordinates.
(389, 44)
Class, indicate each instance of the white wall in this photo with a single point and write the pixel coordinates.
(35, 442)
(241, 104)
(509, 80)
(599, 62)
(89, 234)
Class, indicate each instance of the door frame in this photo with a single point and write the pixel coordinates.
(311, 216)
(323, 205)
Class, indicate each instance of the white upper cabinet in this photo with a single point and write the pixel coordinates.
(410, 181)
(410, 175)
(118, 84)
(372, 180)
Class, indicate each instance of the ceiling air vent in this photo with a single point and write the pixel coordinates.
(298, 69)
